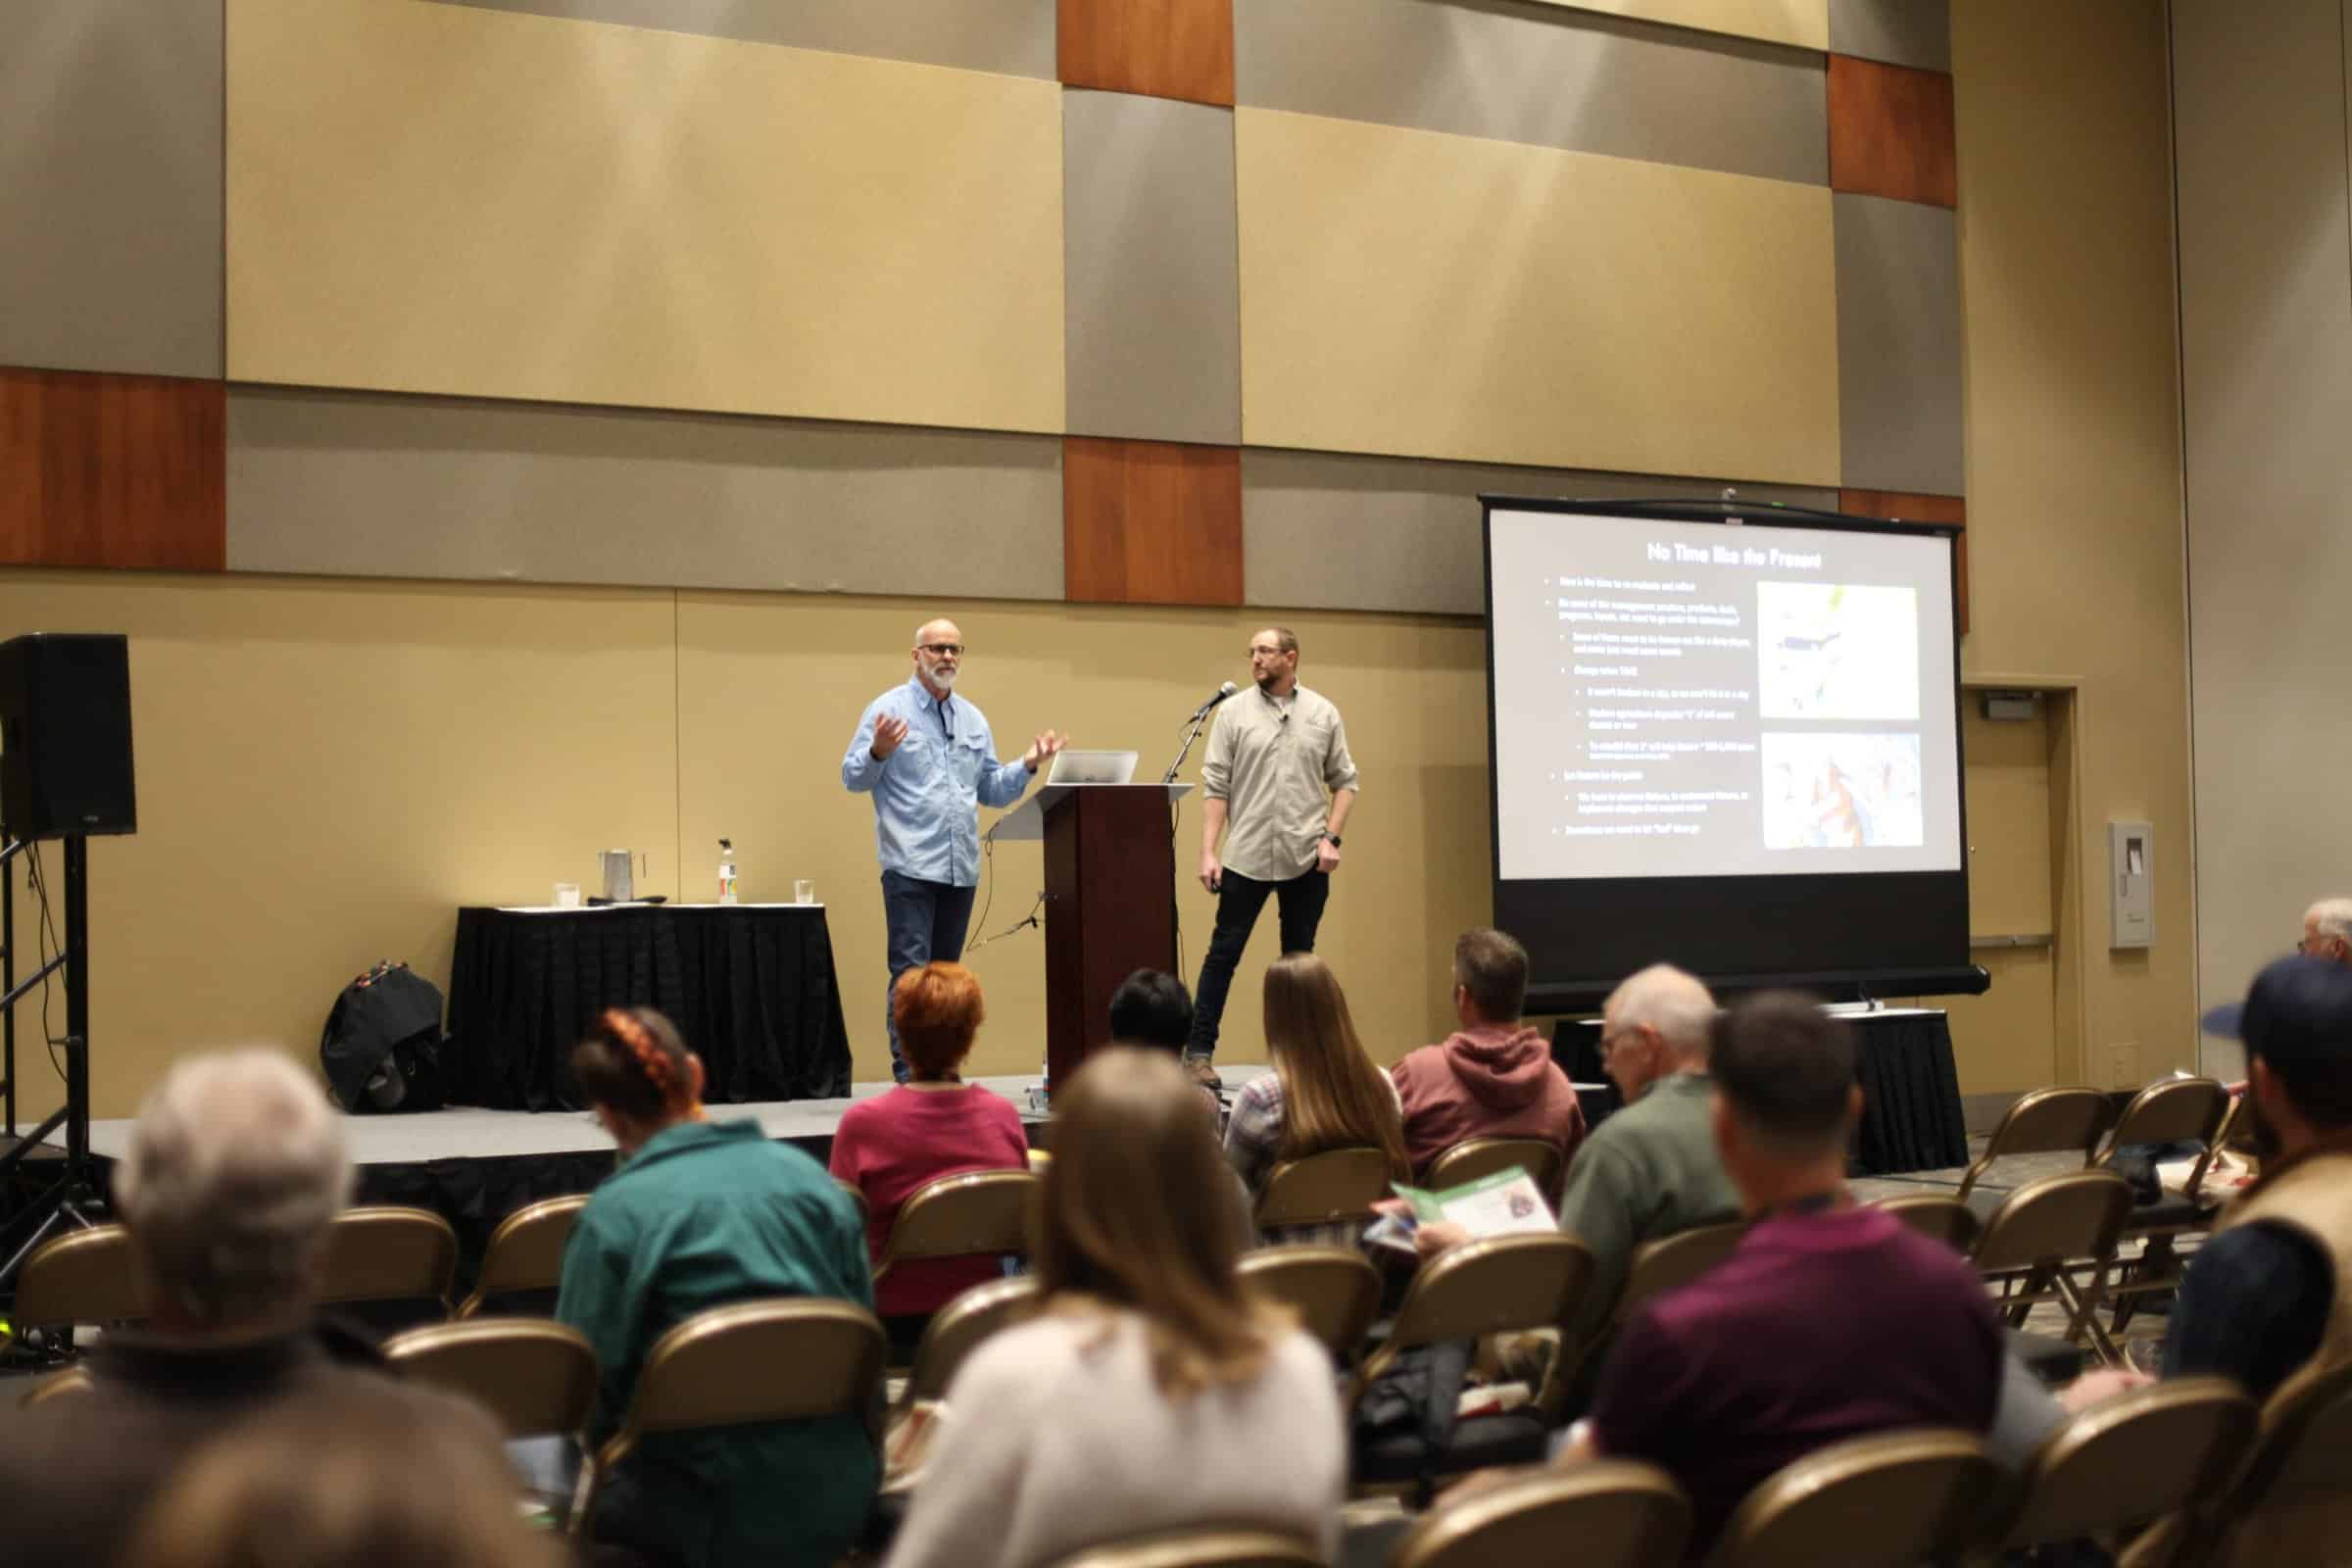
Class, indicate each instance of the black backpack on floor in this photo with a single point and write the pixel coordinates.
(381, 1048)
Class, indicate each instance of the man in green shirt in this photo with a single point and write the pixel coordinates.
(1651, 1169)
(700, 1214)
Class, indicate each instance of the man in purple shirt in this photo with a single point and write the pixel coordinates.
(1830, 1321)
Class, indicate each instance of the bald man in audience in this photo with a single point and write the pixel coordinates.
(2328, 931)
(234, 1175)
(1651, 1169)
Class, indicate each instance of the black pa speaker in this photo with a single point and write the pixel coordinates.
(65, 735)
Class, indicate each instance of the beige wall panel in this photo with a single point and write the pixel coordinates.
(762, 764)
(109, 185)
(1424, 295)
(1804, 24)
(2073, 478)
(328, 771)
(378, 486)
(1326, 531)
(611, 214)
(1587, 83)
(2266, 329)
(1012, 37)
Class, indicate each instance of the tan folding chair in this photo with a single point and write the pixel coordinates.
(72, 1380)
(1474, 1158)
(1334, 1290)
(81, 1277)
(1334, 1187)
(2043, 1122)
(1673, 1261)
(1201, 1548)
(1618, 1514)
(1935, 1215)
(1495, 1285)
(2170, 1111)
(980, 1212)
(958, 1329)
(774, 1360)
(535, 1375)
(527, 1252)
(2130, 1460)
(389, 1253)
(1884, 1501)
(2043, 1233)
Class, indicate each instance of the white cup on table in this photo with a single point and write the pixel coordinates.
(568, 895)
(804, 890)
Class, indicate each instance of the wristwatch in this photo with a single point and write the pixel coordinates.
(1333, 839)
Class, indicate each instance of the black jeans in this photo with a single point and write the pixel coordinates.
(1238, 900)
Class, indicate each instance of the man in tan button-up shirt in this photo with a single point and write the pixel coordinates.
(1279, 776)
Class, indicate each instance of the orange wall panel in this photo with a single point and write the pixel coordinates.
(1159, 48)
(112, 470)
(1890, 132)
(1150, 522)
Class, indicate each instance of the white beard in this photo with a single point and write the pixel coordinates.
(943, 678)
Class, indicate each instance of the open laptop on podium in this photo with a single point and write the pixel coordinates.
(1092, 767)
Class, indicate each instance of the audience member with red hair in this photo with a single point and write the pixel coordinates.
(702, 1213)
(933, 1125)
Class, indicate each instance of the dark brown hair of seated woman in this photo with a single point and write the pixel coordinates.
(1138, 1213)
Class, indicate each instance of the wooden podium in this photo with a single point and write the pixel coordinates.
(1110, 901)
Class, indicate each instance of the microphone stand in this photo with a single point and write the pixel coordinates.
(1199, 721)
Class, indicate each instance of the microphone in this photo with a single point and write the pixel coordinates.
(1223, 692)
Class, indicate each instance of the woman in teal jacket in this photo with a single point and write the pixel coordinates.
(702, 1213)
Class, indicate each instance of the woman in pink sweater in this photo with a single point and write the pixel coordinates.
(933, 1125)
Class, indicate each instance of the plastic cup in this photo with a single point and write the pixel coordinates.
(804, 890)
(568, 895)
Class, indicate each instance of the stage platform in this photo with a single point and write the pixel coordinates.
(477, 1166)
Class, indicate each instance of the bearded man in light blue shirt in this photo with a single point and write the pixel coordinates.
(927, 759)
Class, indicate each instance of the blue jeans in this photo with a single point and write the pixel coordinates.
(927, 921)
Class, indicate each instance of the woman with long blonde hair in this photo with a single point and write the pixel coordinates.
(1324, 1092)
(1153, 1390)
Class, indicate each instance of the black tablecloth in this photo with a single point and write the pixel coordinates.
(1911, 1118)
(751, 987)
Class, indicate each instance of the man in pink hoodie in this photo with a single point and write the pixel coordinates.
(1494, 1076)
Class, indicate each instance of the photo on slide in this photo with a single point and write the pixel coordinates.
(1837, 650)
(1842, 792)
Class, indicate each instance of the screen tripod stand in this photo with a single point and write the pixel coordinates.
(71, 1195)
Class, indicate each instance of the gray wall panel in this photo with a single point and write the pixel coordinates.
(1900, 33)
(1152, 308)
(1540, 76)
(354, 484)
(1329, 531)
(109, 185)
(1898, 346)
(1012, 37)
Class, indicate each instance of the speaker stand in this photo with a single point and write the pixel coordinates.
(72, 1196)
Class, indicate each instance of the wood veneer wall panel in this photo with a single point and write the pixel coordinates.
(1903, 507)
(1891, 133)
(1160, 48)
(1151, 522)
(111, 471)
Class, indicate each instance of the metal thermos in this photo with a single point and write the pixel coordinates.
(620, 884)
